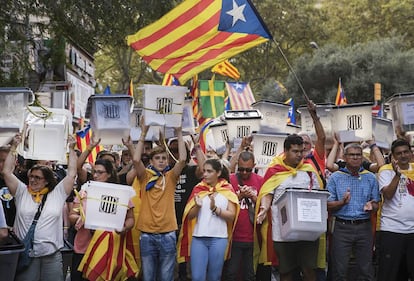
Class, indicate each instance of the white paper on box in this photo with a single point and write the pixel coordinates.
(408, 110)
(309, 210)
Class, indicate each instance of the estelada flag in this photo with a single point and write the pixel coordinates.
(83, 138)
(240, 94)
(198, 34)
(225, 68)
(340, 95)
(211, 97)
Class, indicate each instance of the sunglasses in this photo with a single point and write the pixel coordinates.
(241, 170)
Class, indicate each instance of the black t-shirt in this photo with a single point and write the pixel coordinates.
(183, 190)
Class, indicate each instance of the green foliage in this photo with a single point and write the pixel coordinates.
(359, 67)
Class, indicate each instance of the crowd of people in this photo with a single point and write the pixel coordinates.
(204, 216)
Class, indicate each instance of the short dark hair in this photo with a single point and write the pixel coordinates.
(292, 140)
(246, 156)
(399, 142)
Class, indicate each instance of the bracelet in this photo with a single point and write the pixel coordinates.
(371, 146)
(214, 210)
(66, 227)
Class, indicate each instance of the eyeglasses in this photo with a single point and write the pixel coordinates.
(31, 177)
(354, 155)
(98, 172)
(247, 170)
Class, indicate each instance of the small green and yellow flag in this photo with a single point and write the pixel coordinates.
(211, 97)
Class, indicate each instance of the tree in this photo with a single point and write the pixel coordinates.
(359, 67)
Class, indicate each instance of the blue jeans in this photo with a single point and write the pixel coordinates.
(207, 258)
(46, 268)
(158, 253)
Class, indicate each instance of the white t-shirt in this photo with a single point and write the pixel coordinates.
(300, 180)
(209, 225)
(48, 236)
(397, 214)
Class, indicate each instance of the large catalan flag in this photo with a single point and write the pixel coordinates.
(199, 34)
(240, 94)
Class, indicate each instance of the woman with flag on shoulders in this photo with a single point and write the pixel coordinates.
(99, 254)
(208, 223)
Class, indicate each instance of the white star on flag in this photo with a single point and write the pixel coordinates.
(237, 12)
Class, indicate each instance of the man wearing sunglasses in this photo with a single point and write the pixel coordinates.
(247, 184)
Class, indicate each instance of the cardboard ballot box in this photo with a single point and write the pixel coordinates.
(110, 117)
(326, 116)
(163, 105)
(45, 134)
(13, 102)
(107, 205)
(402, 110)
(242, 123)
(353, 122)
(274, 116)
(266, 147)
(303, 214)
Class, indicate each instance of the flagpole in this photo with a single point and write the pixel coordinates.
(292, 70)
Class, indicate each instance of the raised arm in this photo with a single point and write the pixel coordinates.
(332, 156)
(379, 158)
(245, 144)
(200, 156)
(136, 159)
(69, 180)
(320, 132)
(82, 173)
(182, 152)
(132, 173)
(9, 164)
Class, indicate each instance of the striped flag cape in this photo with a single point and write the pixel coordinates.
(108, 258)
(225, 68)
(203, 189)
(197, 35)
(240, 95)
(83, 139)
(133, 244)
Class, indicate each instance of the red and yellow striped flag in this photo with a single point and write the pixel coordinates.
(225, 68)
(197, 35)
(83, 138)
